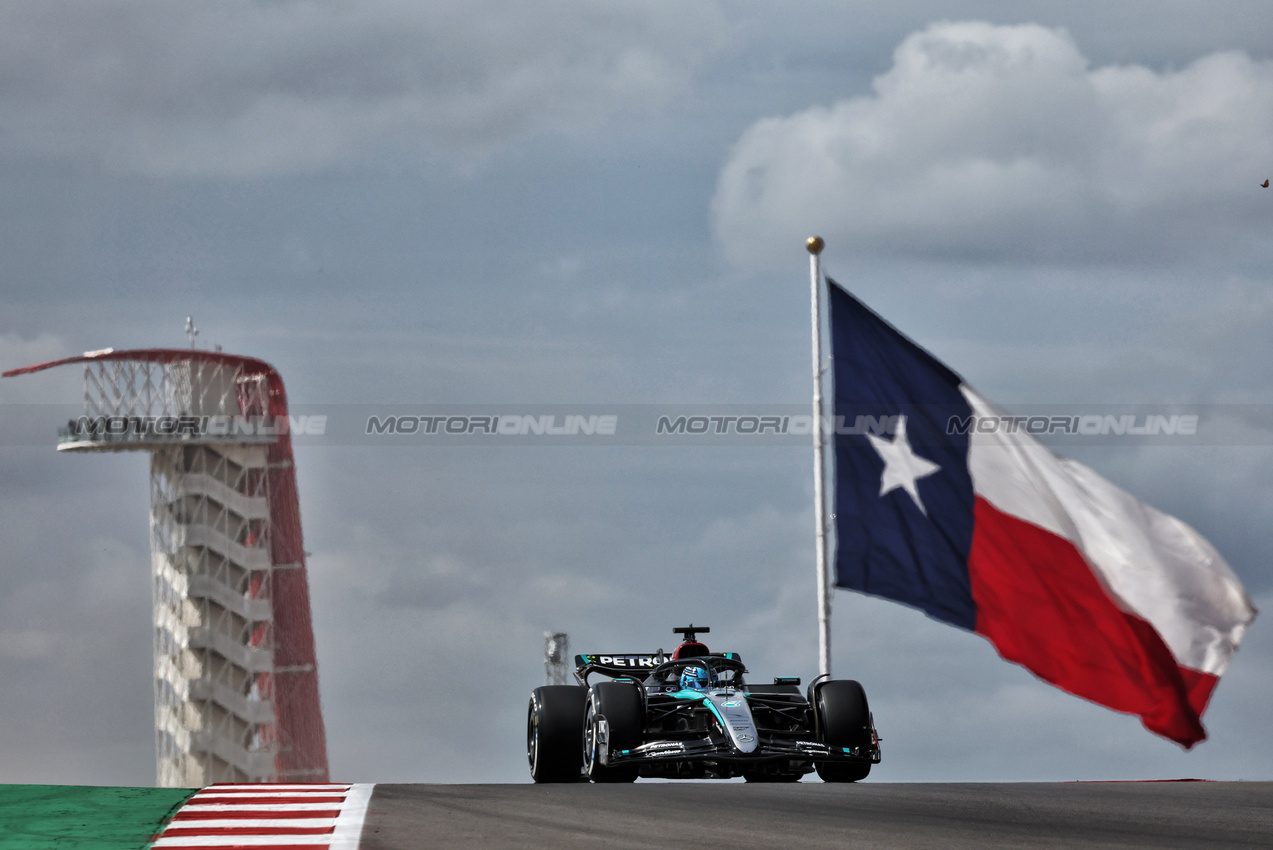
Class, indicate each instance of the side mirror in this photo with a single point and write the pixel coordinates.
(786, 680)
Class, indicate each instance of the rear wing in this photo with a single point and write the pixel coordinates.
(635, 665)
(620, 664)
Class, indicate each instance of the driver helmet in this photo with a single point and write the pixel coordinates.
(695, 678)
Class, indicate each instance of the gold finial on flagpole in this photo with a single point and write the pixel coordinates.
(814, 245)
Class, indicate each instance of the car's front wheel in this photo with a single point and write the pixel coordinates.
(552, 733)
(845, 720)
(624, 713)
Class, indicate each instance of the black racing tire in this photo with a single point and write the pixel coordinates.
(552, 733)
(622, 707)
(844, 719)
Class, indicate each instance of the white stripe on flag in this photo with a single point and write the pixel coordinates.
(1152, 564)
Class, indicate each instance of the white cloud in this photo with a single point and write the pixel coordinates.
(257, 88)
(1000, 142)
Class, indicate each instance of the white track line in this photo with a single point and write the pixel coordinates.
(352, 815)
(267, 787)
(245, 841)
(298, 823)
(263, 795)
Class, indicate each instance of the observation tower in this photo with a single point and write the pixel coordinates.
(236, 680)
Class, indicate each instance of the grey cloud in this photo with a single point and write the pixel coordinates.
(16, 350)
(248, 89)
(987, 143)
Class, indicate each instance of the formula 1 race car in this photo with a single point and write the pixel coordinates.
(693, 715)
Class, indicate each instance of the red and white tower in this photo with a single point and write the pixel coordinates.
(236, 679)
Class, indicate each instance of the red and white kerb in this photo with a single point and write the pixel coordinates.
(300, 817)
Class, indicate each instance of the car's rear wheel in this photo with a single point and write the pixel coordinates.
(621, 706)
(552, 733)
(845, 721)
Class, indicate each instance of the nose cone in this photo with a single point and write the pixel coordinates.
(739, 724)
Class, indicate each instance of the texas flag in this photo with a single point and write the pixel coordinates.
(986, 529)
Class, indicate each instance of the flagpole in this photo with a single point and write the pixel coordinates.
(814, 246)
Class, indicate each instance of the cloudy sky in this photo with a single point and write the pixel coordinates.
(578, 203)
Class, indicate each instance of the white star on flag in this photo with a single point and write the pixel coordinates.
(902, 467)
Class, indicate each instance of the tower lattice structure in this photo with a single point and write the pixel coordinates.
(235, 673)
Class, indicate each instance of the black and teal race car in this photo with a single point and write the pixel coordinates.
(694, 715)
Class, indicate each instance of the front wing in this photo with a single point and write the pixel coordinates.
(720, 749)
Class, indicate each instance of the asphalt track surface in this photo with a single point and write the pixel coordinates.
(815, 815)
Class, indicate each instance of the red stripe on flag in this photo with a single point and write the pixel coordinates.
(1041, 606)
(257, 814)
(1199, 686)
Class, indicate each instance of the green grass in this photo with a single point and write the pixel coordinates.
(76, 817)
